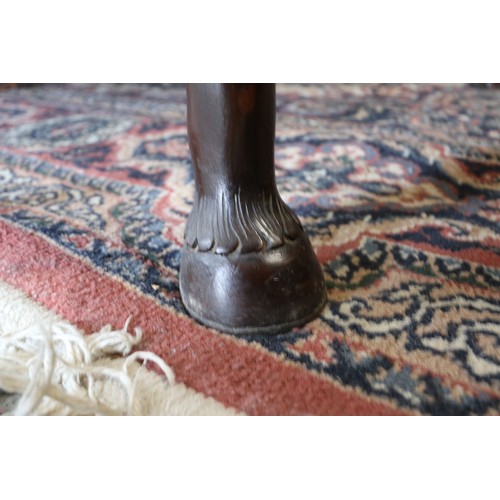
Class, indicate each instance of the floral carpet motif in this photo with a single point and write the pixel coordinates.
(398, 187)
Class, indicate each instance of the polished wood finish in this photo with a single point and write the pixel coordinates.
(247, 265)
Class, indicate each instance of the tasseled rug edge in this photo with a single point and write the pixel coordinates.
(58, 370)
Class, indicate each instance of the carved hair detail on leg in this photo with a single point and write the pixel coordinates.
(225, 224)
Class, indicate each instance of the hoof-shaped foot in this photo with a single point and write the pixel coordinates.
(265, 292)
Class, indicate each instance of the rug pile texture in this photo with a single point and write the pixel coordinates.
(398, 187)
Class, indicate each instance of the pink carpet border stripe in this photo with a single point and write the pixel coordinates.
(233, 372)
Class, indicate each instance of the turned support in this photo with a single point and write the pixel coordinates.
(247, 266)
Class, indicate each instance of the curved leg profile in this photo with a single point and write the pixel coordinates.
(247, 265)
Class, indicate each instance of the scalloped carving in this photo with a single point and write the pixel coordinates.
(240, 224)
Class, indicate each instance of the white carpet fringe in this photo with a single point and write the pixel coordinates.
(49, 367)
(54, 361)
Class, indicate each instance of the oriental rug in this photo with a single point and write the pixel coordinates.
(397, 185)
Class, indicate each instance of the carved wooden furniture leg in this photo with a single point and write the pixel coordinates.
(247, 265)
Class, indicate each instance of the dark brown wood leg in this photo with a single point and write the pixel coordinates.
(247, 265)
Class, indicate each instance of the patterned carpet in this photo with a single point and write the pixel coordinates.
(397, 185)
